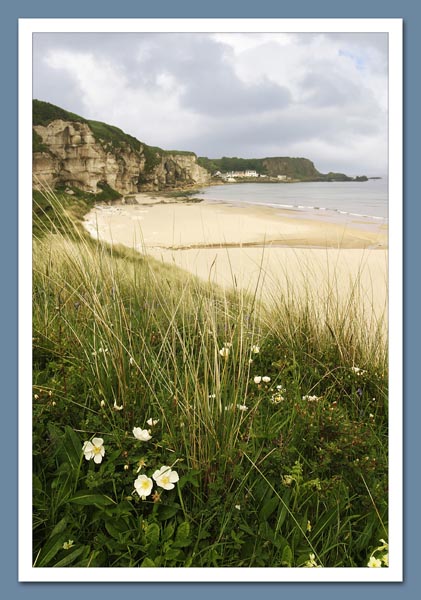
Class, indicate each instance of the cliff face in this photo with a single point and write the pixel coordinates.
(69, 153)
(301, 168)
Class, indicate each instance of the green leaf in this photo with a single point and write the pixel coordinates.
(168, 511)
(148, 562)
(182, 537)
(71, 557)
(152, 534)
(268, 508)
(116, 529)
(286, 559)
(172, 554)
(59, 528)
(283, 510)
(72, 447)
(86, 498)
(50, 549)
(168, 532)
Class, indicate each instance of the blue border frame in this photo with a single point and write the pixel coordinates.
(410, 12)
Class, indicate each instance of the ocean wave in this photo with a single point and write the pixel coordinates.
(302, 208)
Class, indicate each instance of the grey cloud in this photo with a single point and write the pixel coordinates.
(232, 117)
(210, 84)
(197, 62)
(260, 137)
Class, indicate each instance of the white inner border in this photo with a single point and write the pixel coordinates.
(394, 28)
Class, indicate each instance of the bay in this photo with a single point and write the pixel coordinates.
(366, 200)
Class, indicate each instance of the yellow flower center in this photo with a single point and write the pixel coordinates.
(165, 479)
(97, 450)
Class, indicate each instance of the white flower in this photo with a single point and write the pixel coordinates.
(242, 407)
(165, 478)
(277, 398)
(311, 398)
(68, 545)
(116, 407)
(257, 379)
(266, 379)
(224, 351)
(312, 562)
(212, 396)
(237, 506)
(102, 403)
(358, 371)
(255, 349)
(374, 562)
(94, 449)
(131, 361)
(144, 435)
(152, 422)
(143, 486)
(280, 388)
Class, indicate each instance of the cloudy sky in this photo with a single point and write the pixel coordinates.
(320, 96)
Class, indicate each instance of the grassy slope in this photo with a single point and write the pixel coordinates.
(267, 486)
(44, 113)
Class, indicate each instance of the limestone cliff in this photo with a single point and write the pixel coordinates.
(69, 150)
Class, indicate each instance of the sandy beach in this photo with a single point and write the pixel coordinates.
(253, 247)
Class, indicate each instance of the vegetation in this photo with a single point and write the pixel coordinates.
(44, 112)
(176, 424)
(225, 164)
(37, 144)
(299, 169)
(47, 208)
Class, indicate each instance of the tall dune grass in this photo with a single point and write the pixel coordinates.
(273, 416)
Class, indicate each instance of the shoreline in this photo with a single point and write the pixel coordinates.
(171, 223)
(259, 249)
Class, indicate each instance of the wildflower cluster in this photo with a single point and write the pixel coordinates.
(311, 562)
(279, 395)
(358, 371)
(164, 477)
(258, 379)
(143, 435)
(380, 556)
(101, 350)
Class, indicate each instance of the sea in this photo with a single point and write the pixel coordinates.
(333, 201)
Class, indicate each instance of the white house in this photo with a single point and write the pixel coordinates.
(240, 174)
